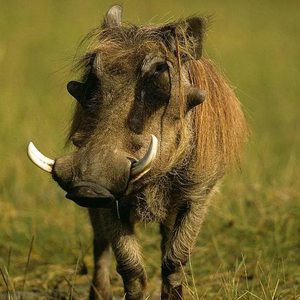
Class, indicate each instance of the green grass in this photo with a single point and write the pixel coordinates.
(249, 247)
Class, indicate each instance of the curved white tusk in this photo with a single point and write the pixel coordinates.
(39, 159)
(142, 166)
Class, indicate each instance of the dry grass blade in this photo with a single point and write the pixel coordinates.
(9, 257)
(26, 269)
(74, 280)
(275, 290)
(253, 295)
(6, 284)
(193, 280)
(95, 290)
(11, 294)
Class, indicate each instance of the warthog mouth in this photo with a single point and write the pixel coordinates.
(90, 194)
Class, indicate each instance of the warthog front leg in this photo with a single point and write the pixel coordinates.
(180, 244)
(127, 253)
(101, 288)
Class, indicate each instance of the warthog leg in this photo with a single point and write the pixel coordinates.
(180, 243)
(127, 253)
(101, 288)
(166, 233)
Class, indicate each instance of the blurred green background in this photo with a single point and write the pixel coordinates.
(249, 247)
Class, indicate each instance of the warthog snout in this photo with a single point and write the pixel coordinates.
(95, 179)
(92, 179)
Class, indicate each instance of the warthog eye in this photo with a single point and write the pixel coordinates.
(161, 67)
(160, 81)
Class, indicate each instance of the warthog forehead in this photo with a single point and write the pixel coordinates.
(124, 59)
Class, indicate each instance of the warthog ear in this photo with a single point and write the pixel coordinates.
(113, 17)
(190, 33)
(77, 90)
(195, 33)
(195, 96)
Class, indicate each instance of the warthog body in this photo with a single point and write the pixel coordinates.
(136, 82)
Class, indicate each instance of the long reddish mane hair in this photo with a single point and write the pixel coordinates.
(220, 124)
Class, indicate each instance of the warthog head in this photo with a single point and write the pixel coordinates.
(134, 95)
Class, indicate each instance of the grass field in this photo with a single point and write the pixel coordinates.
(249, 247)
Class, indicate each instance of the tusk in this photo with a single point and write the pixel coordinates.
(39, 159)
(141, 167)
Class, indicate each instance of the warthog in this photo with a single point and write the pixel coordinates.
(155, 128)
